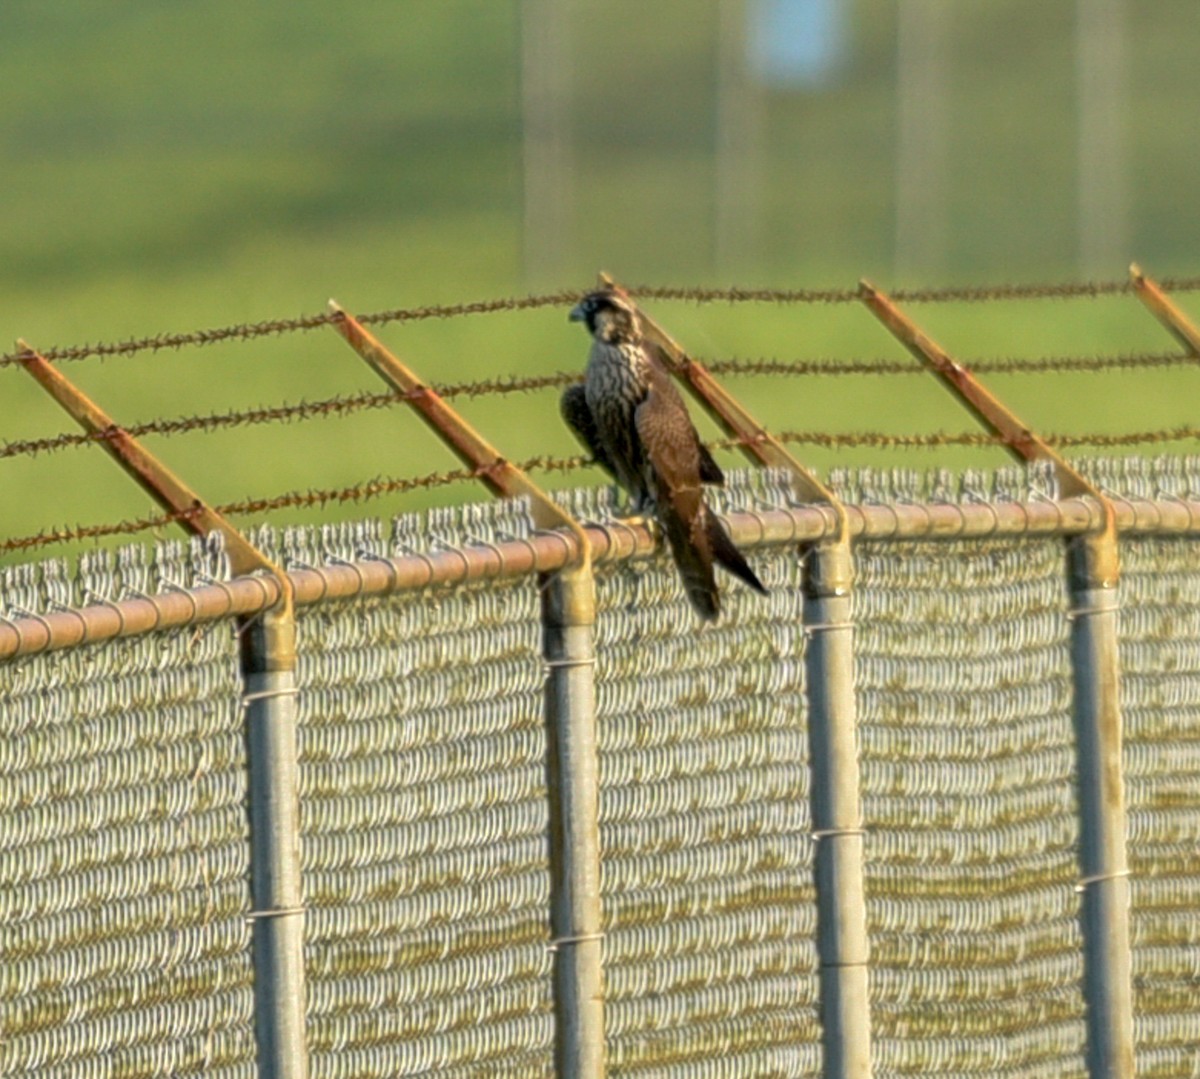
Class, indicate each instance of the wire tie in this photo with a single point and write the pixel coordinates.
(268, 694)
(590, 662)
(112, 605)
(1085, 612)
(371, 556)
(1084, 882)
(66, 608)
(362, 581)
(173, 586)
(826, 627)
(279, 912)
(580, 938)
(834, 833)
(35, 617)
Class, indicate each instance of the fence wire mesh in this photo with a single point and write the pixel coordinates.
(124, 847)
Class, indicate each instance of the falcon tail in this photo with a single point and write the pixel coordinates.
(728, 556)
(695, 561)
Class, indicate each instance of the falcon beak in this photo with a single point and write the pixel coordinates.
(577, 314)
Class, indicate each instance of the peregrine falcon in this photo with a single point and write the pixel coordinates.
(631, 418)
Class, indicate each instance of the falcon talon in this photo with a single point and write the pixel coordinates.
(629, 416)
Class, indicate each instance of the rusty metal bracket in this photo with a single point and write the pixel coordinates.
(500, 475)
(754, 440)
(167, 489)
(1018, 437)
(1160, 306)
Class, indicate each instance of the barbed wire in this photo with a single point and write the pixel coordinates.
(693, 294)
(984, 366)
(947, 294)
(379, 487)
(247, 331)
(285, 413)
(973, 439)
(352, 403)
(313, 498)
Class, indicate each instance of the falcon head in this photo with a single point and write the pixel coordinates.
(609, 316)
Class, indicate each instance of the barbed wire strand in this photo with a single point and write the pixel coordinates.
(352, 403)
(285, 413)
(363, 492)
(377, 488)
(305, 323)
(1038, 365)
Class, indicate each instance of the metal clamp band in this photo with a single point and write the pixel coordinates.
(280, 912)
(589, 662)
(1084, 883)
(833, 833)
(581, 938)
(267, 694)
(826, 627)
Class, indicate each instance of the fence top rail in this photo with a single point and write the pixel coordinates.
(545, 552)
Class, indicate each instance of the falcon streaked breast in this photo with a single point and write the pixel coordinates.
(631, 418)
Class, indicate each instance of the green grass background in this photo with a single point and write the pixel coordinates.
(177, 166)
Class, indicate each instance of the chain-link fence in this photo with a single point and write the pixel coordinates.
(125, 856)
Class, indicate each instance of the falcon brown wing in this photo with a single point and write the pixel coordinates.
(577, 416)
(695, 535)
(710, 471)
(673, 459)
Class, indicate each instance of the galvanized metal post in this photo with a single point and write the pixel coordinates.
(836, 812)
(572, 774)
(1104, 870)
(269, 679)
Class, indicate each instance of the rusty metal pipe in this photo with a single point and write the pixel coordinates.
(546, 551)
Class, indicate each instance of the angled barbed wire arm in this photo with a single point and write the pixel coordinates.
(835, 793)
(154, 477)
(1160, 305)
(268, 669)
(1017, 436)
(500, 475)
(1093, 572)
(568, 615)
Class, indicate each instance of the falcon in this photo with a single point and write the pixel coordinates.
(632, 420)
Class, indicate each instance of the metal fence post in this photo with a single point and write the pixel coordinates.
(269, 679)
(572, 774)
(836, 812)
(1104, 871)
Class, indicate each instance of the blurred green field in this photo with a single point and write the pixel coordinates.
(173, 167)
